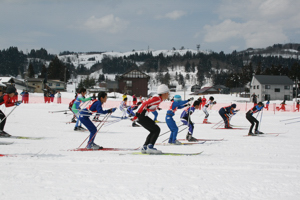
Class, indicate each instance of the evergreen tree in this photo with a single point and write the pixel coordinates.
(30, 72)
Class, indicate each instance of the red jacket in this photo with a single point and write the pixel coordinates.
(7, 101)
(150, 105)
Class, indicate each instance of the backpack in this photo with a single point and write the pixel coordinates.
(71, 103)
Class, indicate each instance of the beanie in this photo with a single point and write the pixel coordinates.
(10, 89)
(162, 89)
(233, 105)
(177, 98)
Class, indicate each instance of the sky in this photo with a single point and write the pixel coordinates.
(126, 25)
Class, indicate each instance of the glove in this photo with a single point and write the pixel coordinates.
(158, 108)
(191, 99)
(237, 110)
(113, 109)
(17, 103)
(214, 102)
(186, 105)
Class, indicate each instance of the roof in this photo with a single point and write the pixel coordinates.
(134, 73)
(55, 81)
(273, 80)
(6, 79)
(205, 89)
(34, 80)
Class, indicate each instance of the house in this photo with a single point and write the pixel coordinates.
(37, 83)
(56, 85)
(268, 87)
(133, 82)
(195, 88)
(206, 90)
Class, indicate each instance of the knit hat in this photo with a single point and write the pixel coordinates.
(162, 89)
(233, 105)
(177, 98)
(10, 89)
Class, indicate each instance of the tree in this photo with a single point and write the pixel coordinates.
(30, 72)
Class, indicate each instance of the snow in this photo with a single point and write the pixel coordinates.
(237, 168)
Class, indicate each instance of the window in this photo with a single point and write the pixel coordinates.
(286, 87)
(57, 84)
(277, 89)
(267, 97)
(267, 87)
(254, 87)
(129, 83)
(257, 87)
(287, 97)
(49, 84)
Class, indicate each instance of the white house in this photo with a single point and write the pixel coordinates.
(268, 87)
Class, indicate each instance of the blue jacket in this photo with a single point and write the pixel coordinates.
(175, 105)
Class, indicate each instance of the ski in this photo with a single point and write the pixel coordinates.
(6, 143)
(104, 149)
(169, 154)
(263, 135)
(183, 143)
(203, 139)
(24, 137)
(233, 128)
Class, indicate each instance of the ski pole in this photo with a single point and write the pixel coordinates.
(59, 111)
(169, 131)
(291, 122)
(260, 119)
(106, 117)
(177, 133)
(8, 114)
(289, 119)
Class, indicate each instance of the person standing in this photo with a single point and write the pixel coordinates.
(22, 95)
(58, 97)
(176, 104)
(26, 97)
(203, 101)
(142, 116)
(186, 120)
(7, 101)
(51, 96)
(254, 99)
(297, 106)
(252, 120)
(267, 104)
(134, 99)
(85, 113)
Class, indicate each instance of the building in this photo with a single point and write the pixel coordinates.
(133, 82)
(56, 85)
(268, 87)
(206, 90)
(37, 83)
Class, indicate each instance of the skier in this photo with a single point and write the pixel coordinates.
(73, 120)
(75, 108)
(177, 104)
(203, 101)
(123, 108)
(85, 113)
(252, 120)
(149, 106)
(297, 106)
(225, 112)
(210, 102)
(186, 120)
(130, 112)
(7, 101)
(58, 97)
(134, 99)
(267, 104)
(282, 107)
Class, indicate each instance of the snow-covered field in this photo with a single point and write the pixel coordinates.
(237, 168)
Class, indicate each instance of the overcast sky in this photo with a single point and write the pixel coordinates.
(124, 25)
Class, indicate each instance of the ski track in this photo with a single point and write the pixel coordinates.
(236, 168)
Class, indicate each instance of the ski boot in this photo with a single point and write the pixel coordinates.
(152, 150)
(251, 134)
(144, 149)
(258, 132)
(4, 134)
(205, 121)
(94, 146)
(190, 138)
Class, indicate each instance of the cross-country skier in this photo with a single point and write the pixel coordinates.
(75, 108)
(186, 120)
(149, 106)
(85, 113)
(252, 120)
(267, 104)
(123, 108)
(225, 112)
(210, 102)
(176, 104)
(7, 101)
(130, 112)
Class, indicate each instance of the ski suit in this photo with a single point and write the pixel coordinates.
(170, 121)
(7, 101)
(84, 115)
(205, 107)
(142, 115)
(186, 120)
(123, 107)
(224, 112)
(76, 106)
(251, 119)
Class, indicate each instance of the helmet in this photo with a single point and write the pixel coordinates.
(211, 98)
(177, 98)
(162, 89)
(233, 105)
